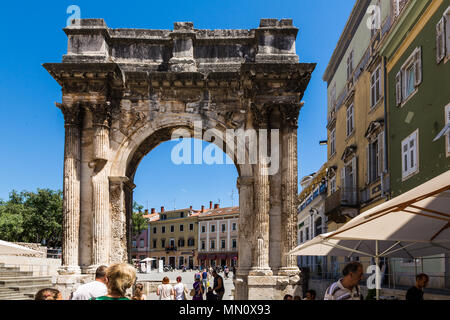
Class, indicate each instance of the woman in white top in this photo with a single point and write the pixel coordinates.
(180, 289)
(165, 291)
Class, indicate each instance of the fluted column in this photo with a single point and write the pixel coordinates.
(100, 186)
(245, 187)
(71, 189)
(260, 256)
(289, 188)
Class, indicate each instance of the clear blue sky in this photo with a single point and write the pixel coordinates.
(32, 128)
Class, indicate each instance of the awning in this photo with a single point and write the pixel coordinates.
(222, 256)
(232, 256)
(201, 257)
(211, 256)
(419, 215)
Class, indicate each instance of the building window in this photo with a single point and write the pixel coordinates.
(307, 234)
(333, 184)
(301, 236)
(409, 77)
(410, 160)
(375, 87)
(154, 244)
(154, 230)
(233, 226)
(234, 243)
(373, 160)
(191, 226)
(182, 214)
(141, 243)
(350, 120)
(318, 225)
(213, 228)
(172, 228)
(350, 65)
(333, 142)
(223, 228)
(333, 97)
(440, 40)
(134, 243)
(181, 242)
(203, 229)
(213, 244)
(163, 229)
(163, 243)
(172, 243)
(223, 244)
(203, 245)
(191, 242)
(181, 227)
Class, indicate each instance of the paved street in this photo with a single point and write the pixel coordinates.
(188, 279)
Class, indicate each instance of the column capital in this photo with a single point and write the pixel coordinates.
(101, 113)
(72, 113)
(290, 113)
(260, 115)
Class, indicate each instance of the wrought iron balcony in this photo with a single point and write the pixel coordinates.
(347, 197)
(171, 248)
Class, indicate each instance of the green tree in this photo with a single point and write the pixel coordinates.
(32, 217)
(138, 220)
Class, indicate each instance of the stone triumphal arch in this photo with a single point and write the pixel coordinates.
(124, 91)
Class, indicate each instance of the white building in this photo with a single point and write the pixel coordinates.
(218, 237)
(311, 216)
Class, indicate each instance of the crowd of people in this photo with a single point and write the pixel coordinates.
(347, 287)
(208, 285)
(112, 283)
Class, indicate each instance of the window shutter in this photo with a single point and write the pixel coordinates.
(447, 120)
(368, 164)
(405, 158)
(447, 30)
(342, 181)
(355, 179)
(380, 153)
(440, 40)
(398, 88)
(418, 66)
(415, 148)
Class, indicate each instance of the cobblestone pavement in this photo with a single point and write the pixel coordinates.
(187, 279)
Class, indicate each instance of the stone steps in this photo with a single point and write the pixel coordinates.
(19, 281)
(8, 274)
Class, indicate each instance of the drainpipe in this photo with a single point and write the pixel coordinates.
(386, 132)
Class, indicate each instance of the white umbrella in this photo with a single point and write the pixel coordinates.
(419, 215)
(11, 248)
(329, 244)
(147, 259)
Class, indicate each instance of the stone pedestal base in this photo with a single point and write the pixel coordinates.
(69, 270)
(266, 287)
(67, 284)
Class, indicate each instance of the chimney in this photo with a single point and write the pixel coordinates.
(162, 209)
(216, 206)
(153, 210)
(203, 208)
(146, 211)
(210, 205)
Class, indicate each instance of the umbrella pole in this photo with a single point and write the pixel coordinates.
(377, 274)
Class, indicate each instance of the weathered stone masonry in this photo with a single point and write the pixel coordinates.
(126, 90)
